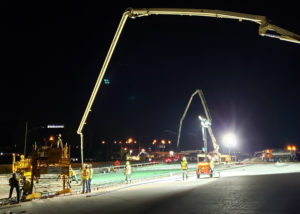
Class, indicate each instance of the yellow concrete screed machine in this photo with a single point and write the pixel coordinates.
(52, 158)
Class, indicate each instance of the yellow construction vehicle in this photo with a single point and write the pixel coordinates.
(265, 29)
(23, 166)
(52, 158)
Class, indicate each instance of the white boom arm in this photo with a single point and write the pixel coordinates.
(208, 117)
(264, 30)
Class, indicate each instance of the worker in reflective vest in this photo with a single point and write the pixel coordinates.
(90, 176)
(211, 166)
(128, 172)
(184, 168)
(84, 179)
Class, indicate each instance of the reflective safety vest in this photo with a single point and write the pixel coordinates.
(212, 164)
(128, 170)
(84, 175)
(72, 173)
(90, 173)
(183, 165)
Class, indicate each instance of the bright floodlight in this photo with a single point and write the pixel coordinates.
(230, 140)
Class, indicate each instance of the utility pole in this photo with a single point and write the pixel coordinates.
(25, 141)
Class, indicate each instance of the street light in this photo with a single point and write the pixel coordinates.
(230, 141)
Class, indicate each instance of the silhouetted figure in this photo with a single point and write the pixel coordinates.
(14, 183)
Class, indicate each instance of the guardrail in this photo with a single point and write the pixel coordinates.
(107, 169)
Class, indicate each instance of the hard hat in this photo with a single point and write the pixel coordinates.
(184, 158)
(127, 162)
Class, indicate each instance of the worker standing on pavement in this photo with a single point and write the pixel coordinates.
(14, 183)
(128, 172)
(72, 176)
(26, 188)
(211, 166)
(184, 168)
(117, 164)
(90, 174)
(84, 179)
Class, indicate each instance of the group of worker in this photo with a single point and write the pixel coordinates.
(86, 178)
(87, 175)
(15, 184)
(184, 168)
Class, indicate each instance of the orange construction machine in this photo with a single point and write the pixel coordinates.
(274, 155)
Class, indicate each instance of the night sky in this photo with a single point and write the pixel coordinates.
(51, 55)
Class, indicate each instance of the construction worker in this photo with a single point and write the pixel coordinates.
(198, 171)
(72, 176)
(211, 166)
(84, 179)
(90, 176)
(26, 188)
(184, 168)
(117, 164)
(59, 142)
(65, 151)
(14, 183)
(128, 172)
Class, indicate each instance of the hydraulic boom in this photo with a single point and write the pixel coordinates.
(265, 29)
(208, 117)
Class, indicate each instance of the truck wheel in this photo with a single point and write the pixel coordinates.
(198, 176)
(210, 175)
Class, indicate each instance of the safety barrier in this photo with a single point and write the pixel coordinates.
(107, 169)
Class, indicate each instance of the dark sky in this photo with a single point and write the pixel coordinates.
(51, 54)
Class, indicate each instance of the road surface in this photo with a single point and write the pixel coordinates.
(265, 194)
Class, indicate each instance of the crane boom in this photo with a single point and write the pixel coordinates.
(264, 30)
(208, 117)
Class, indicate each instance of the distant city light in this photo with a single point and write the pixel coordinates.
(55, 126)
